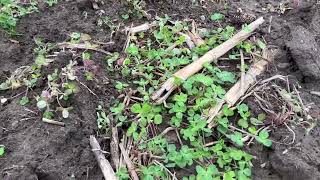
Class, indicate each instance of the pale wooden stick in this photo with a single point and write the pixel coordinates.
(50, 121)
(317, 93)
(194, 35)
(163, 93)
(234, 94)
(189, 42)
(198, 41)
(128, 162)
(243, 72)
(114, 149)
(104, 164)
(82, 46)
(141, 28)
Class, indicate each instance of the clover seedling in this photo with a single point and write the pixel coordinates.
(229, 175)
(263, 138)
(153, 172)
(125, 16)
(209, 173)
(217, 17)
(2, 150)
(120, 86)
(122, 173)
(147, 111)
(24, 100)
(51, 2)
(236, 138)
(41, 104)
(226, 111)
(180, 158)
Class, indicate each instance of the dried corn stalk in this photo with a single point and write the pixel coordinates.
(163, 93)
(196, 38)
(141, 28)
(235, 93)
(104, 164)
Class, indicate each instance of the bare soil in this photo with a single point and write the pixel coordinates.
(39, 151)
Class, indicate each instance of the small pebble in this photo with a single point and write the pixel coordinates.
(203, 18)
(3, 100)
(283, 65)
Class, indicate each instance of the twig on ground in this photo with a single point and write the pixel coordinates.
(317, 93)
(104, 164)
(50, 121)
(168, 129)
(178, 136)
(211, 143)
(234, 94)
(114, 147)
(151, 155)
(243, 72)
(273, 78)
(128, 162)
(293, 133)
(160, 164)
(167, 87)
(88, 88)
(198, 41)
(82, 46)
(170, 48)
(141, 28)
(189, 41)
(252, 138)
(270, 25)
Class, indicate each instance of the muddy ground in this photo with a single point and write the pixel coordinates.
(35, 150)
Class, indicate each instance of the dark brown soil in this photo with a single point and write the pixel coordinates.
(35, 150)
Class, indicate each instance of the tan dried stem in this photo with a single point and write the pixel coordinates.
(166, 89)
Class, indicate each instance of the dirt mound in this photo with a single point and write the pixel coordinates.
(304, 45)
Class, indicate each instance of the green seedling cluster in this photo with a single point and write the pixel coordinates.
(28, 76)
(61, 84)
(135, 9)
(11, 11)
(149, 61)
(51, 2)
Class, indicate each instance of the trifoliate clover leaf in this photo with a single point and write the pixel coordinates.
(261, 117)
(229, 175)
(157, 119)
(181, 97)
(132, 129)
(227, 111)
(236, 138)
(2, 151)
(236, 154)
(132, 50)
(243, 123)
(217, 17)
(136, 108)
(226, 76)
(41, 104)
(24, 100)
(263, 138)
